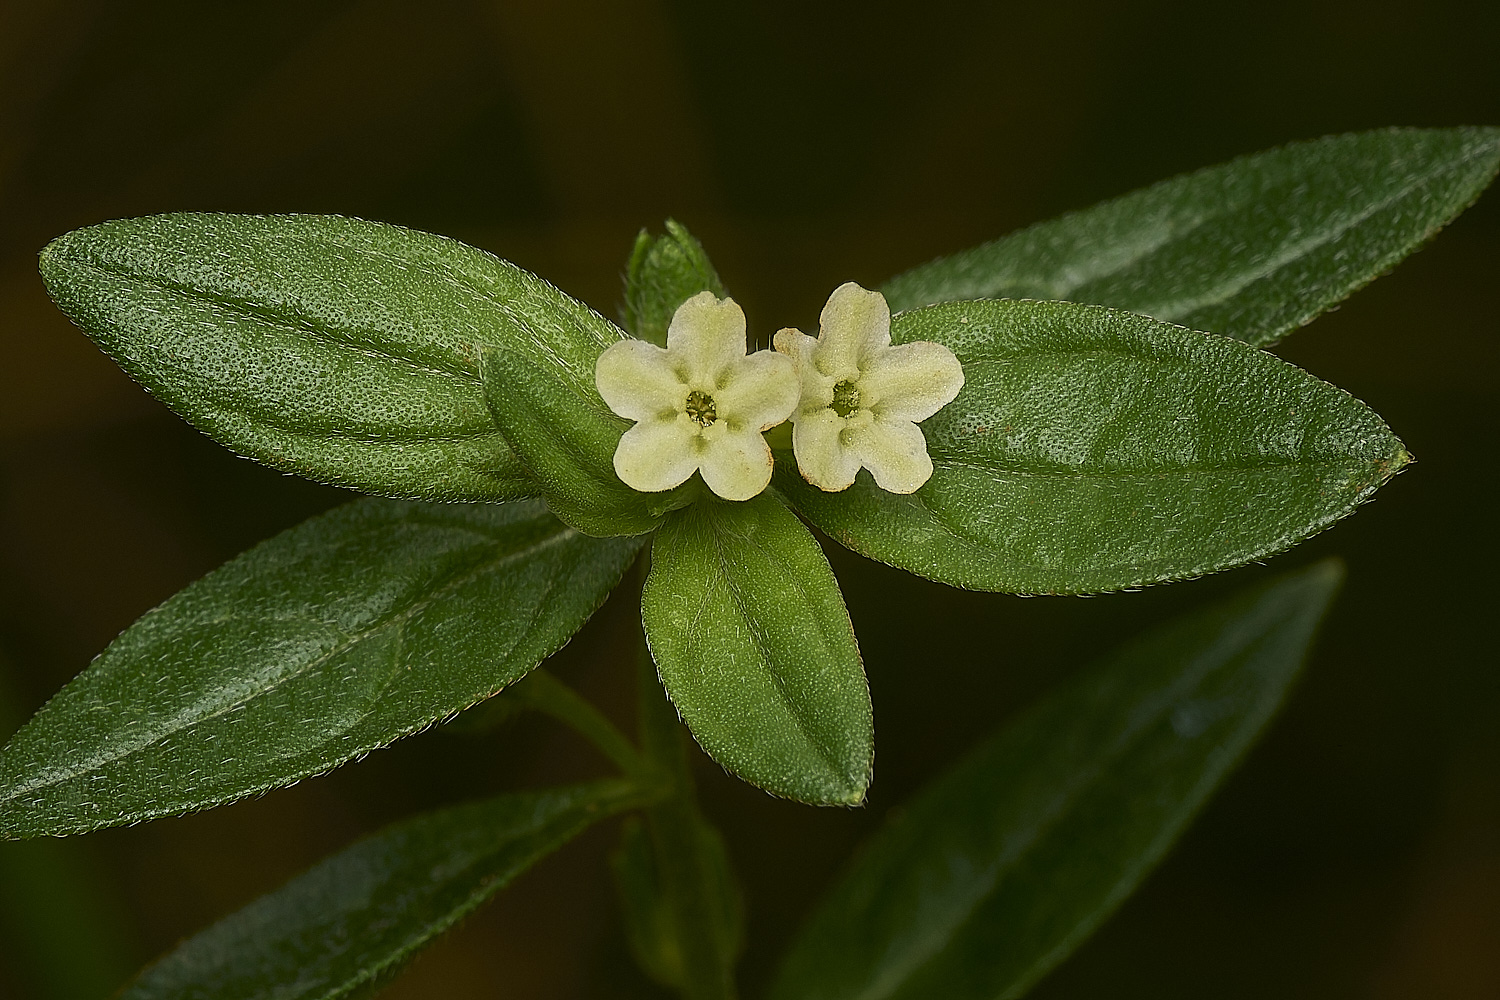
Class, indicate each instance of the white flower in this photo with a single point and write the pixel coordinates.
(700, 404)
(861, 397)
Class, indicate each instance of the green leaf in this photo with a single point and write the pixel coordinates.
(650, 922)
(663, 273)
(341, 350)
(332, 639)
(1253, 248)
(567, 438)
(349, 924)
(1007, 862)
(753, 644)
(1093, 449)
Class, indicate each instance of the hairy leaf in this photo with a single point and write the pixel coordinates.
(338, 349)
(346, 926)
(753, 644)
(566, 437)
(1253, 248)
(1093, 449)
(339, 636)
(1006, 863)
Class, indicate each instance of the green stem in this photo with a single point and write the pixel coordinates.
(693, 885)
(545, 693)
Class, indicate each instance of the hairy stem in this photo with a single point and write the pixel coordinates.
(694, 882)
(545, 693)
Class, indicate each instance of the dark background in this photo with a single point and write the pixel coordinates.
(1357, 853)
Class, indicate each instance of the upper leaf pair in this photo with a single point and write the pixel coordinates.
(352, 352)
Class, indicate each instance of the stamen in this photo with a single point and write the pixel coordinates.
(700, 407)
(845, 398)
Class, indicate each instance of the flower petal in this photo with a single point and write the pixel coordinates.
(895, 452)
(854, 323)
(796, 345)
(737, 466)
(758, 391)
(657, 455)
(822, 457)
(706, 333)
(911, 381)
(637, 382)
(816, 389)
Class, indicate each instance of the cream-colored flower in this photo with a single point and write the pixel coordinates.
(862, 398)
(700, 404)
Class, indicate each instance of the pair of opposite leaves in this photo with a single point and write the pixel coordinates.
(701, 403)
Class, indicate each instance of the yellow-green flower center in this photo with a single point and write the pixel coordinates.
(700, 407)
(845, 398)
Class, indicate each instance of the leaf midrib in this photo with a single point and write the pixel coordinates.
(727, 569)
(297, 324)
(943, 459)
(1061, 289)
(1298, 249)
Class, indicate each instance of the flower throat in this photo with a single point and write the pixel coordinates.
(845, 398)
(700, 407)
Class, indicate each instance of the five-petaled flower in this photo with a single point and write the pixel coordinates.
(861, 398)
(700, 404)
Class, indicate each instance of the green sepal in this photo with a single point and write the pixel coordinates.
(1093, 449)
(566, 437)
(1007, 862)
(341, 350)
(753, 644)
(663, 273)
(344, 928)
(340, 636)
(1253, 248)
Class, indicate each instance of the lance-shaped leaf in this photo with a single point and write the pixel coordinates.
(346, 926)
(753, 643)
(1006, 863)
(1093, 449)
(1253, 248)
(338, 349)
(663, 273)
(339, 636)
(566, 437)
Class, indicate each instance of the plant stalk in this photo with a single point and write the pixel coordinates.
(545, 693)
(689, 879)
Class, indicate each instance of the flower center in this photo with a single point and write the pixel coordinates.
(845, 398)
(700, 407)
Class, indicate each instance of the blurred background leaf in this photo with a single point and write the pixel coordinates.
(348, 925)
(1253, 248)
(60, 915)
(997, 870)
(1357, 854)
